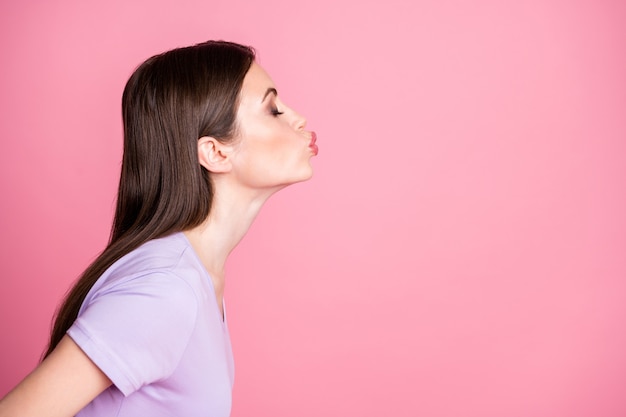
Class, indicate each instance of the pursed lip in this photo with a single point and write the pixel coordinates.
(312, 144)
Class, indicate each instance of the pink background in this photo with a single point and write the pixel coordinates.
(461, 250)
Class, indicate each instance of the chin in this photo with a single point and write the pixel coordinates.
(305, 176)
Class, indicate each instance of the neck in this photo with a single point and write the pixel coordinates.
(232, 214)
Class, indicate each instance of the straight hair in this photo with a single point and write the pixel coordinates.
(169, 102)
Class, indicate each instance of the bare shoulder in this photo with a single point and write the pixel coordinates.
(61, 385)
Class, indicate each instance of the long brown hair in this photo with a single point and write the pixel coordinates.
(169, 102)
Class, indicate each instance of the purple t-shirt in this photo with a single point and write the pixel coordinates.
(151, 323)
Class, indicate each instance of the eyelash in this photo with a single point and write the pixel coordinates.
(275, 112)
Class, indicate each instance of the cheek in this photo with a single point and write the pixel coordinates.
(270, 144)
(275, 144)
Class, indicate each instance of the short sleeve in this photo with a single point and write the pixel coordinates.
(137, 331)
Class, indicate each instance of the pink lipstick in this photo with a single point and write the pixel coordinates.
(312, 145)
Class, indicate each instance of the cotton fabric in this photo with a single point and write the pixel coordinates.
(152, 324)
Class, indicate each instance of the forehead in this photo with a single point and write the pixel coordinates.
(256, 82)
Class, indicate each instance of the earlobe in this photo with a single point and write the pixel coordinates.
(214, 155)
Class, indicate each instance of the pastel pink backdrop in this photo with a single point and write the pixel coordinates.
(461, 250)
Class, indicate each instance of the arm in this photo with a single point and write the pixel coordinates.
(61, 385)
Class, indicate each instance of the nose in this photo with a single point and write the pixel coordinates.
(299, 121)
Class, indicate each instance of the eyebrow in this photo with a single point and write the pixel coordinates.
(268, 92)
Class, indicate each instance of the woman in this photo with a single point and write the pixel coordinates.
(207, 140)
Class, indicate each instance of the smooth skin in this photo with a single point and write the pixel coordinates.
(61, 386)
(271, 151)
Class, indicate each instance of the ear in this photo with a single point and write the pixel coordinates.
(214, 155)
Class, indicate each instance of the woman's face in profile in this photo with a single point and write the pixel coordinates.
(272, 148)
